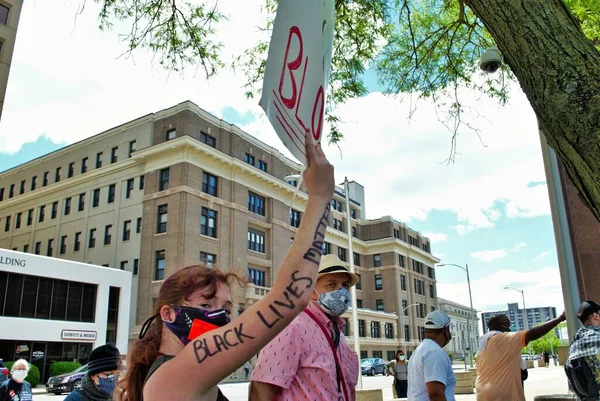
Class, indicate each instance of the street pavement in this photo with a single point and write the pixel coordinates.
(541, 381)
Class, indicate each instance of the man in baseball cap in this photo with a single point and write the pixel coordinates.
(430, 374)
(584, 353)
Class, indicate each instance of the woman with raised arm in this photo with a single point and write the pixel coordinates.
(190, 344)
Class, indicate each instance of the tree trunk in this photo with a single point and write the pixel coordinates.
(558, 68)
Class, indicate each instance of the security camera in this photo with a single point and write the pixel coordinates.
(491, 60)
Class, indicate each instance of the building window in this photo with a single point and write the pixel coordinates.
(131, 147)
(405, 307)
(207, 139)
(326, 248)
(413, 241)
(403, 282)
(359, 284)
(45, 178)
(338, 224)
(38, 247)
(129, 188)
(57, 174)
(377, 260)
(136, 265)
(421, 333)
(420, 311)
(171, 134)
(81, 205)
(353, 213)
(123, 265)
(7, 224)
(377, 354)
(22, 189)
(29, 217)
(353, 231)
(50, 249)
(111, 193)
(138, 225)
(346, 327)
(359, 303)
(209, 259)
(295, 218)
(336, 205)
(379, 305)
(417, 267)
(256, 240)
(84, 165)
(389, 332)
(208, 222)
(71, 170)
(107, 234)
(431, 291)
(11, 191)
(378, 282)
(42, 214)
(113, 154)
(161, 220)
(257, 277)
(33, 182)
(63, 244)
(209, 184)
(391, 355)
(356, 259)
(26, 248)
(262, 165)
(142, 179)
(77, 244)
(98, 159)
(406, 333)
(95, 197)
(54, 211)
(126, 230)
(375, 330)
(256, 203)
(342, 254)
(112, 315)
(361, 328)
(430, 272)
(249, 159)
(159, 265)
(164, 179)
(67, 206)
(419, 287)
(18, 221)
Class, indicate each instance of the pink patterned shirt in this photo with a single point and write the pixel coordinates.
(300, 361)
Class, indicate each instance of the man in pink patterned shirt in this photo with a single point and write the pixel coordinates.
(299, 364)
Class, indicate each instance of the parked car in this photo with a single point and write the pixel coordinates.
(3, 371)
(372, 366)
(67, 382)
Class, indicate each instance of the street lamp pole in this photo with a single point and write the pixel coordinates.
(402, 327)
(525, 317)
(473, 313)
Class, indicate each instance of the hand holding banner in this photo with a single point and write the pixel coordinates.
(297, 71)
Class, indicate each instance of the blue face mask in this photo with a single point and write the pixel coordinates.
(107, 384)
(335, 303)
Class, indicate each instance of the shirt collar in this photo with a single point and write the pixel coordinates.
(324, 318)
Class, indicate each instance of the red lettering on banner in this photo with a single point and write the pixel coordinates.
(291, 66)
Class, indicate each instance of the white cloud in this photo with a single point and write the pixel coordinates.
(541, 256)
(489, 294)
(436, 237)
(490, 255)
(81, 89)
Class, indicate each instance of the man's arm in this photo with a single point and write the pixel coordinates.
(436, 391)
(541, 330)
(260, 391)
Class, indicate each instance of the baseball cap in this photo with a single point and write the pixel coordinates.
(437, 320)
(586, 309)
(331, 264)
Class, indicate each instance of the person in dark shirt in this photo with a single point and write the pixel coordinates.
(16, 388)
(100, 379)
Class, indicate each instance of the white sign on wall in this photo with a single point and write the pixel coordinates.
(78, 335)
(297, 71)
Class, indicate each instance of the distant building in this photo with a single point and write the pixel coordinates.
(10, 12)
(465, 329)
(535, 316)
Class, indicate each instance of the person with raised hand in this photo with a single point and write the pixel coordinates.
(190, 344)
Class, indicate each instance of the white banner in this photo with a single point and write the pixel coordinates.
(297, 71)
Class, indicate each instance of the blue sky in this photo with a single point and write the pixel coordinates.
(490, 209)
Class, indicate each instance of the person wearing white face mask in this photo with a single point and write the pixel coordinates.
(310, 359)
(399, 369)
(16, 388)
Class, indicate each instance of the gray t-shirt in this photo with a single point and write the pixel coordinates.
(430, 363)
(401, 372)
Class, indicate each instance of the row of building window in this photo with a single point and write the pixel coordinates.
(375, 329)
(70, 172)
(205, 138)
(251, 160)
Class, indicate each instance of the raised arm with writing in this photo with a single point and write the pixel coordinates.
(543, 329)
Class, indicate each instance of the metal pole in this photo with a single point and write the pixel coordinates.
(472, 317)
(353, 289)
(525, 318)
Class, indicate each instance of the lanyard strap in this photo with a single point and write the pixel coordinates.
(337, 363)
